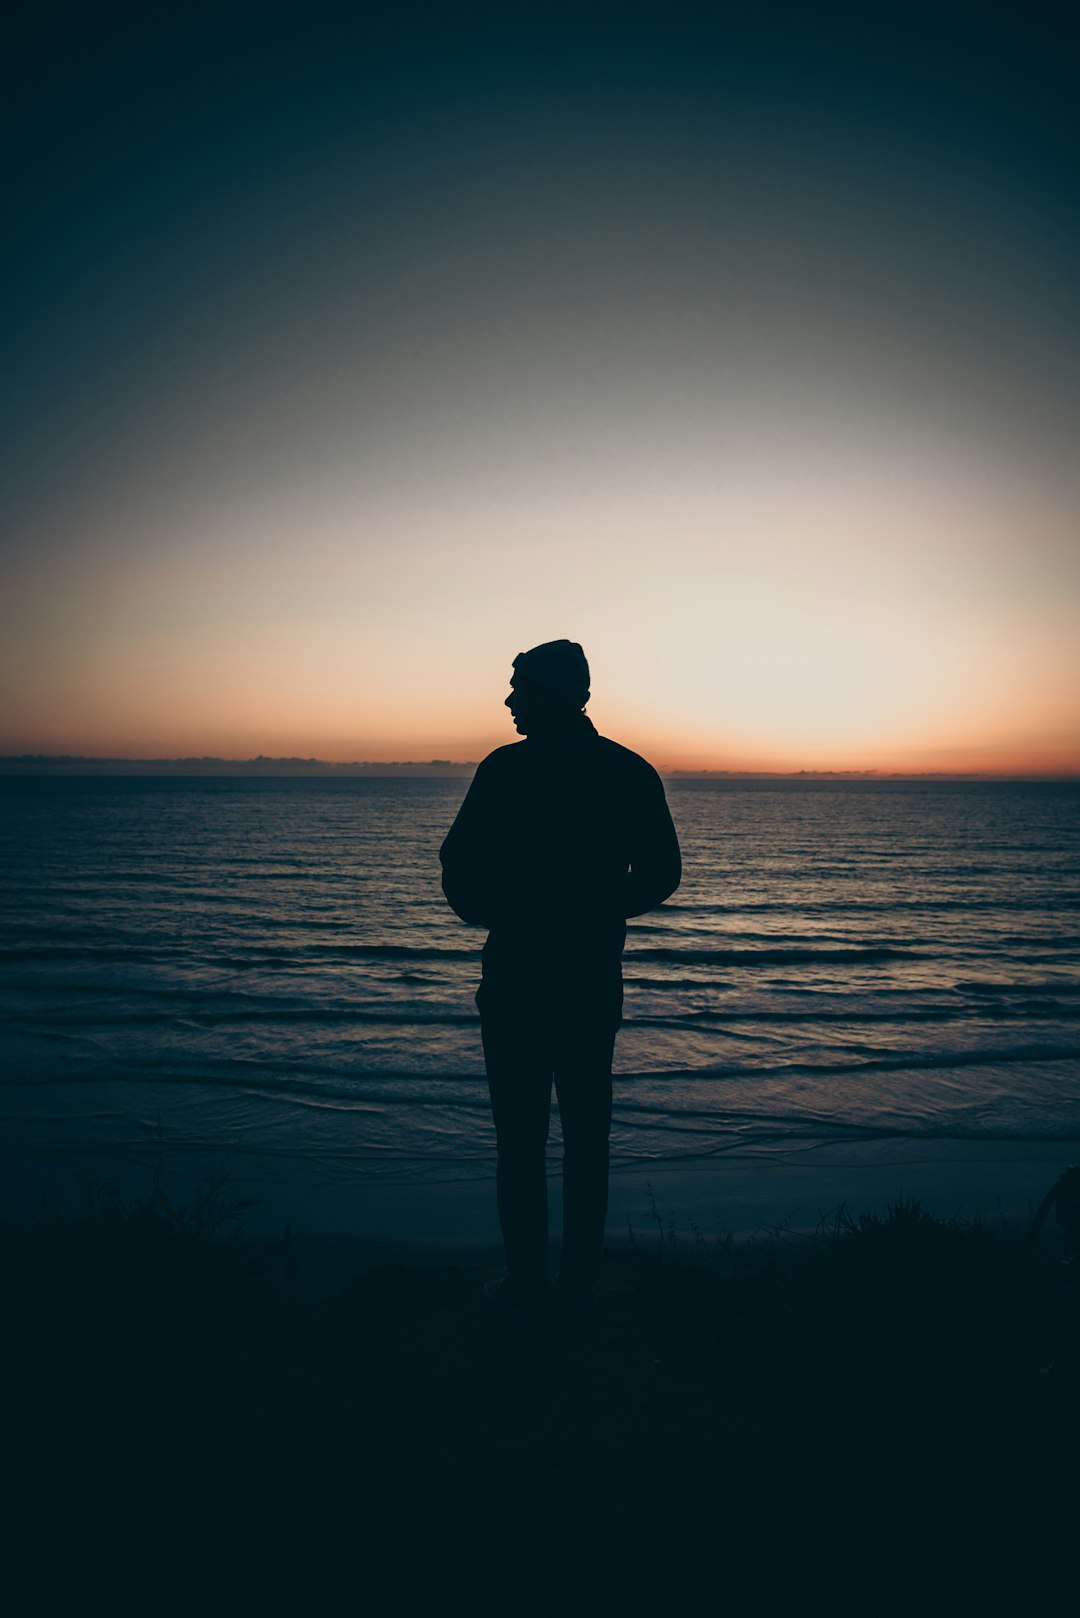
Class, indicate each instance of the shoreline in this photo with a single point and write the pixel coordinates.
(741, 1195)
(44, 766)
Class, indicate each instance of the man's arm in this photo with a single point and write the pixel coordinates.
(465, 855)
(655, 862)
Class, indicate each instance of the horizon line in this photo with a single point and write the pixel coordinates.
(293, 764)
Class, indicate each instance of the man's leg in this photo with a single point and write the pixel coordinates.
(583, 1085)
(519, 1081)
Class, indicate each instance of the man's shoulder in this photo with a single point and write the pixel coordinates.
(623, 758)
(504, 763)
(501, 758)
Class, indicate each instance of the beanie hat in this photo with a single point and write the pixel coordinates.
(559, 667)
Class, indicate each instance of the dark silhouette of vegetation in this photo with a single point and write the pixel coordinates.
(894, 1390)
(145, 1329)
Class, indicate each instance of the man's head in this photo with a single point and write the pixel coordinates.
(549, 685)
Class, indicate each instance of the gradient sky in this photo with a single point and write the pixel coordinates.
(346, 359)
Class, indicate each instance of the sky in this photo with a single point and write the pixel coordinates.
(352, 351)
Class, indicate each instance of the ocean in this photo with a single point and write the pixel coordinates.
(267, 968)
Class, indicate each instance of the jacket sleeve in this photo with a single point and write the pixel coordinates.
(655, 862)
(465, 854)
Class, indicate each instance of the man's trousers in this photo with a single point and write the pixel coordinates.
(525, 1052)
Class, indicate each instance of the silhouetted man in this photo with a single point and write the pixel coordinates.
(561, 837)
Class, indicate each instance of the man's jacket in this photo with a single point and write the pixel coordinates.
(558, 841)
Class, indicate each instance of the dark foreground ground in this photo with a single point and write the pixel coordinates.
(180, 1389)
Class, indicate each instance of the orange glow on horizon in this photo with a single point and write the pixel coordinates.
(890, 621)
(671, 752)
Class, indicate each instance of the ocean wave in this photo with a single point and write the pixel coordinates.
(153, 953)
(843, 905)
(898, 1019)
(284, 1075)
(102, 1004)
(86, 952)
(1050, 986)
(1044, 992)
(270, 1015)
(932, 1061)
(776, 957)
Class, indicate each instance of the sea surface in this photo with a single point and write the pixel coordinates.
(268, 966)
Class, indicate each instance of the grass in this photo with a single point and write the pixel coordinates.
(163, 1353)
